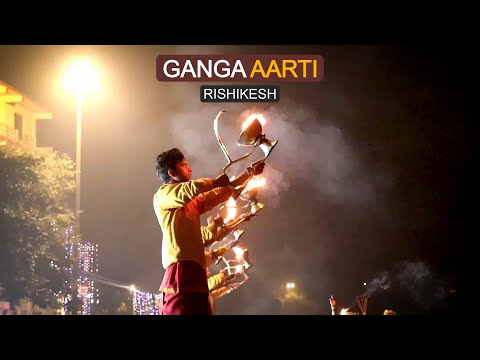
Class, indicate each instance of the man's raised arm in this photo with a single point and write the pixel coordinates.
(179, 194)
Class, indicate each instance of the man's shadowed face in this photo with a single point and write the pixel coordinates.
(182, 171)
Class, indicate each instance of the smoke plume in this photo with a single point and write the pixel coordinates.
(310, 151)
(413, 278)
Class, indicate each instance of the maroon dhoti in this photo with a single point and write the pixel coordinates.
(184, 290)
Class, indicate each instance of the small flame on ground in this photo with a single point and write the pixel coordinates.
(343, 311)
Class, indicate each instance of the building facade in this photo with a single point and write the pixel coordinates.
(18, 117)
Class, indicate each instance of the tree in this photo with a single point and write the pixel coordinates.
(35, 190)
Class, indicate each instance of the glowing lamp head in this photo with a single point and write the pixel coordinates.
(81, 78)
(251, 133)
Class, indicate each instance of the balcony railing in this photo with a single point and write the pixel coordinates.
(15, 137)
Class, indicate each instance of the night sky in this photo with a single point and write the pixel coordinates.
(367, 184)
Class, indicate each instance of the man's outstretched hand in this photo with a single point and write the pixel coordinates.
(252, 170)
(256, 168)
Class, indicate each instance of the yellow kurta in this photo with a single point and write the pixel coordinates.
(178, 208)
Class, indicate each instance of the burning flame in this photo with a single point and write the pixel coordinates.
(238, 252)
(252, 117)
(231, 210)
(343, 311)
(254, 183)
(238, 268)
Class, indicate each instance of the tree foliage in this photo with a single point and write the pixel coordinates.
(35, 192)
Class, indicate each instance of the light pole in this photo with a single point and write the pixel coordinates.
(78, 160)
(81, 78)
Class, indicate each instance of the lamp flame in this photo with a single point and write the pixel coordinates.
(252, 117)
(231, 210)
(238, 252)
(343, 311)
(255, 183)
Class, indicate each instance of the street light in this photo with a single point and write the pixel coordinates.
(133, 290)
(80, 78)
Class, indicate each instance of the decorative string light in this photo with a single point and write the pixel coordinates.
(69, 236)
(145, 303)
(87, 262)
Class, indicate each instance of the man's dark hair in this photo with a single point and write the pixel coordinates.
(167, 160)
